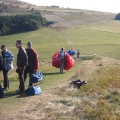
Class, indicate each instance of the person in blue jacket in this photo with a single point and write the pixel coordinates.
(7, 58)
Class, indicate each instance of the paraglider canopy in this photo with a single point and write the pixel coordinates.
(71, 52)
(56, 61)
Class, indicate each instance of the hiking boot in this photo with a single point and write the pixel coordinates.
(23, 93)
(5, 89)
(18, 90)
(61, 70)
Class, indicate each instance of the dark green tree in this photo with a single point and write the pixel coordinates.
(117, 17)
(21, 23)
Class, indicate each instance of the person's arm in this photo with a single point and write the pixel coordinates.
(9, 56)
(24, 59)
(36, 61)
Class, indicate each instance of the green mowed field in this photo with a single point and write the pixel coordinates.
(47, 41)
(93, 39)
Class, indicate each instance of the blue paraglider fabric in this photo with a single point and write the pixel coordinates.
(71, 52)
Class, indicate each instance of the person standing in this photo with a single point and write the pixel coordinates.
(33, 63)
(62, 55)
(7, 58)
(78, 53)
(22, 60)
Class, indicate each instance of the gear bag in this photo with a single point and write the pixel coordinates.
(33, 90)
(36, 77)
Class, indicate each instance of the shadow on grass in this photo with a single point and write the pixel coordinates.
(24, 95)
(52, 73)
(10, 94)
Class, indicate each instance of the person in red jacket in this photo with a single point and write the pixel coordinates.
(33, 63)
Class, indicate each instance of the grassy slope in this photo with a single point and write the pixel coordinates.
(46, 41)
(88, 40)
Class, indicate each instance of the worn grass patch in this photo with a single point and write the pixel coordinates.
(99, 99)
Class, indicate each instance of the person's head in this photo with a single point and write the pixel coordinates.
(18, 43)
(3, 48)
(62, 49)
(29, 45)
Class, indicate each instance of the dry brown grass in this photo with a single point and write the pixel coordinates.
(99, 99)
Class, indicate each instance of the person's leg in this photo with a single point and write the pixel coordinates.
(1, 92)
(77, 55)
(21, 79)
(25, 77)
(62, 66)
(31, 71)
(6, 81)
(25, 74)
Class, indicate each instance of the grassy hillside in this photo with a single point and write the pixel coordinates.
(8, 7)
(87, 39)
(99, 99)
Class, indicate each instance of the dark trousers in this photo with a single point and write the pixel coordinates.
(1, 92)
(6, 81)
(78, 55)
(30, 72)
(21, 79)
(62, 65)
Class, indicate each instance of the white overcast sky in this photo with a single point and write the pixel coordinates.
(112, 6)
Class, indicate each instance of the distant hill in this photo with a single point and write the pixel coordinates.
(17, 16)
(59, 18)
(14, 7)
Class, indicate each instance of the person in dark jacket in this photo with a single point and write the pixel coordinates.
(33, 63)
(7, 58)
(22, 61)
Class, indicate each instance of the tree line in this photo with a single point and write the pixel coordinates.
(21, 23)
(117, 17)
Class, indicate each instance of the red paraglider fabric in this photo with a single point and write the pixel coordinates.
(56, 61)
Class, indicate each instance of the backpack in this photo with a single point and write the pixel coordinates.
(36, 77)
(77, 83)
(33, 90)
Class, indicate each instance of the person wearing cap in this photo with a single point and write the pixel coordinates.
(22, 61)
(7, 58)
(62, 55)
(33, 63)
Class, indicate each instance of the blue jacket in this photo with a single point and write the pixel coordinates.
(8, 65)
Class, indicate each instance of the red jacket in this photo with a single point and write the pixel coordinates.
(32, 59)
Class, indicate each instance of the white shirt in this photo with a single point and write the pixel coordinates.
(62, 54)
